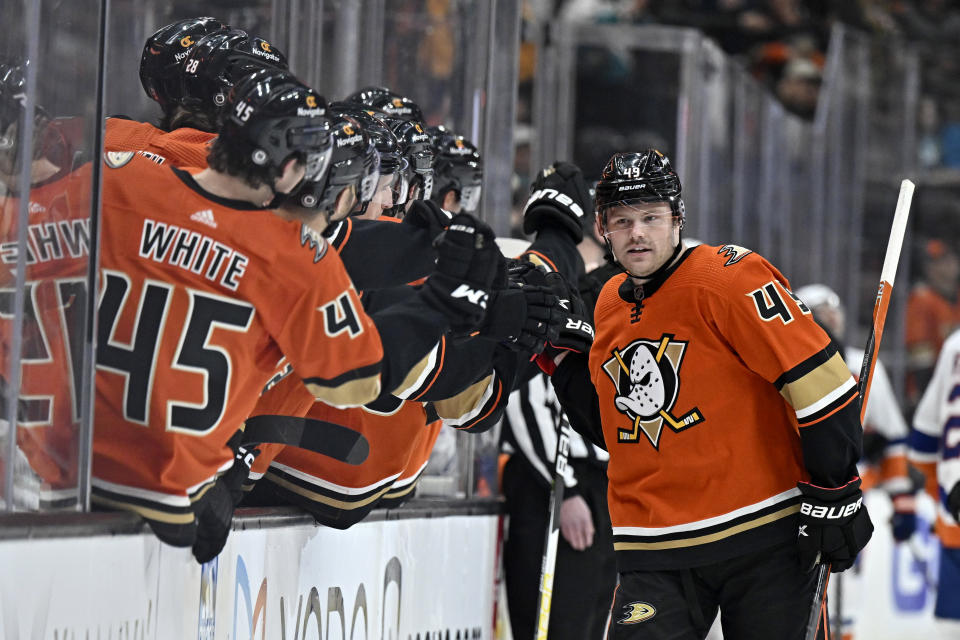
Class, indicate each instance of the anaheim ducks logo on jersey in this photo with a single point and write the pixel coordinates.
(635, 612)
(733, 253)
(646, 375)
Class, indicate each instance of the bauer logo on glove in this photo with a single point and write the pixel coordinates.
(830, 513)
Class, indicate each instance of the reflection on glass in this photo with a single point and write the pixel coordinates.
(55, 258)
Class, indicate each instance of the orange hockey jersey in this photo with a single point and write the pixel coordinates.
(201, 298)
(338, 494)
(56, 254)
(400, 433)
(183, 147)
(702, 380)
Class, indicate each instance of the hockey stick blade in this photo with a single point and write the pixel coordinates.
(326, 438)
(884, 292)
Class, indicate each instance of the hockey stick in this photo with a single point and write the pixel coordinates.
(326, 438)
(884, 292)
(553, 531)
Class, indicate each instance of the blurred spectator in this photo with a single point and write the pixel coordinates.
(933, 312)
(799, 87)
(928, 145)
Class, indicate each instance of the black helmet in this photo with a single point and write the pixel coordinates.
(416, 145)
(164, 51)
(639, 177)
(388, 102)
(353, 161)
(13, 97)
(48, 139)
(362, 96)
(219, 61)
(458, 167)
(391, 160)
(278, 116)
(396, 106)
(385, 140)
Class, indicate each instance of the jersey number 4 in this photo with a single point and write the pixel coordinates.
(137, 361)
(770, 303)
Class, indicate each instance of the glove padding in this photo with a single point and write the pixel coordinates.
(523, 317)
(467, 262)
(903, 522)
(953, 502)
(214, 510)
(559, 196)
(834, 525)
(575, 331)
(427, 215)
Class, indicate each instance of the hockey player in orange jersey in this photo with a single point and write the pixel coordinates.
(56, 258)
(205, 290)
(463, 388)
(730, 419)
(188, 68)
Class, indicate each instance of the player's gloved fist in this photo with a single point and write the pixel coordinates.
(953, 502)
(575, 330)
(523, 318)
(834, 525)
(467, 262)
(426, 214)
(214, 510)
(903, 522)
(559, 196)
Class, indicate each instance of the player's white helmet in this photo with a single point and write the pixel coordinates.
(816, 295)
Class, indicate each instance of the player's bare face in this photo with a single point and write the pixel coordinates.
(344, 204)
(382, 198)
(293, 173)
(642, 235)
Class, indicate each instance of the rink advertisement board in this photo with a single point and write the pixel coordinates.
(409, 579)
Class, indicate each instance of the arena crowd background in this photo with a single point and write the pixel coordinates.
(790, 122)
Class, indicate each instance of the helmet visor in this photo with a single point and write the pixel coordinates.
(316, 142)
(426, 189)
(368, 184)
(401, 183)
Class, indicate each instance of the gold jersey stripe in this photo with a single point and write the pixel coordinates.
(404, 491)
(713, 537)
(202, 492)
(146, 512)
(809, 389)
(318, 497)
(410, 381)
(468, 400)
(349, 394)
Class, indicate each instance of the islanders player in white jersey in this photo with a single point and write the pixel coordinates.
(935, 449)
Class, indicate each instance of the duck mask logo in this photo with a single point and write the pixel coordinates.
(646, 376)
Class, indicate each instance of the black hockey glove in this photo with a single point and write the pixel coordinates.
(426, 214)
(523, 317)
(834, 525)
(953, 502)
(214, 510)
(575, 331)
(467, 262)
(559, 196)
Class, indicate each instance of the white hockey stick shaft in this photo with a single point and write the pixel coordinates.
(884, 293)
(549, 562)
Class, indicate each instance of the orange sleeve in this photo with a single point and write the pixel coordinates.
(325, 333)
